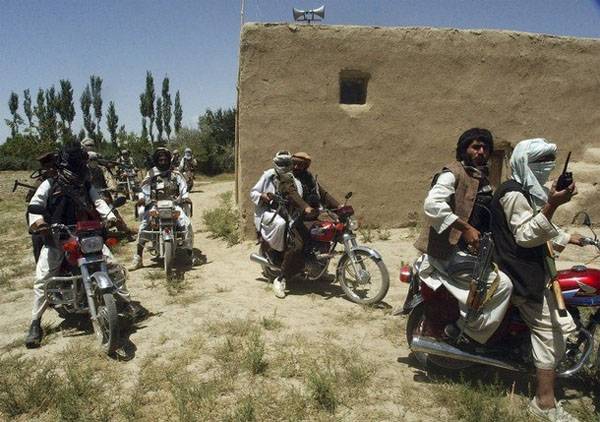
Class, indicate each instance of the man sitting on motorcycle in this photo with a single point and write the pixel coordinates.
(271, 226)
(313, 192)
(188, 163)
(175, 189)
(175, 160)
(68, 198)
(125, 159)
(456, 210)
(521, 223)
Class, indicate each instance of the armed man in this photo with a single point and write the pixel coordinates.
(456, 210)
(271, 226)
(313, 192)
(68, 198)
(175, 189)
(524, 238)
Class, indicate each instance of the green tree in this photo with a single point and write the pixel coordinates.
(86, 104)
(112, 121)
(178, 113)
(144, 135)
(166, 104)
(150, 97)
(66, 109)
(96, 84)
(13, 106)
(217, 130)
(81, 135)
(27, 107)
(50, 123)
(159, 119)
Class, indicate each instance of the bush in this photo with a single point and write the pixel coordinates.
(21, 151)
(223, 221)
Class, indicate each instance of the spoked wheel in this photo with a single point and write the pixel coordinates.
(415, 327)
(367, 282)
(106, 325)
(168, 260)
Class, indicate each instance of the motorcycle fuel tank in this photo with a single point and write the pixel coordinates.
(580, 285)
(324, 231)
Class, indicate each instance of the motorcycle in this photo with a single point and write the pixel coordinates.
(164, 233)
(361, 271)
(127, 182)
(430, 311)
(87, 285)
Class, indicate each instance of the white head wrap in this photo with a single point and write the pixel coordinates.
(530, 174)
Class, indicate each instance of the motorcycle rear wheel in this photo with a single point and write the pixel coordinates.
(106, 325)
(414, 326)
(363, 292)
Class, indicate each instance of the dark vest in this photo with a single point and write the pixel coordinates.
(68, 205)
(310, 189)
(525, 266)
(441, 245)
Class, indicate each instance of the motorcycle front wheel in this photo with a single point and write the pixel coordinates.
(168, 260)
(372, 282)
(415, 326)
(106, 325)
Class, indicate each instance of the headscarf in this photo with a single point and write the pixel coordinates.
(533, 175)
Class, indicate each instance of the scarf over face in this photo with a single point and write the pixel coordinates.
(530, 174)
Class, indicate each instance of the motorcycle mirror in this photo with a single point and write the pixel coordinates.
(36, 209)
(348, 195)
(120, 201)
(587, 221)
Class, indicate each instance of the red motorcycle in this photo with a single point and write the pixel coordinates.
(430, 311)
(361, 271)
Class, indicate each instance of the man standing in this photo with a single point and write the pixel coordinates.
(524, 235)
(273, 226)
(456, 210)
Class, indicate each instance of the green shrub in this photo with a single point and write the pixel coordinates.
(223, 221)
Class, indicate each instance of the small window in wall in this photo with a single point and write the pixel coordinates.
(353, 87)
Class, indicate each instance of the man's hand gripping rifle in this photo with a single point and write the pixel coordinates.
(479, 293)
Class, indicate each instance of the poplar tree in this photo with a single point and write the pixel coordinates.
(149, 102)
(65, 108)
(178, 113)
(166, 105)
(86, 104)
(13, 105)
(27, 107)
(159, 119)
(112, 121)
(96, 84)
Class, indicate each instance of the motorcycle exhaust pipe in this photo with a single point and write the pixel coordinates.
(438, 348)
(263, 261)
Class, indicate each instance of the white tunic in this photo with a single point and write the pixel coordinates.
(270, 225)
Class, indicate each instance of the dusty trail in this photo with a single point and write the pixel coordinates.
(229, 286)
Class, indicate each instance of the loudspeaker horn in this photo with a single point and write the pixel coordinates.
(320, 12)
(298, 13)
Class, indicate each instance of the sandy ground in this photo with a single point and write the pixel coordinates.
(229, 286)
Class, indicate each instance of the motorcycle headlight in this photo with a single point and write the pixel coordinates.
(91, 244)
(353, 223)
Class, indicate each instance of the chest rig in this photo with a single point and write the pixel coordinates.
(164, 187)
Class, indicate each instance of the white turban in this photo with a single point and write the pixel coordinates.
(529, 173)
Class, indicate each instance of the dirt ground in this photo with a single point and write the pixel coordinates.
(228, 287)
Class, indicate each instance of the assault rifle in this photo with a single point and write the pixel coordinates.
(23, 185)
(478, 291)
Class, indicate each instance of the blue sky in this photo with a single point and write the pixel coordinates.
(196, 42)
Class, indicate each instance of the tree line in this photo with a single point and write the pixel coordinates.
(40, 127)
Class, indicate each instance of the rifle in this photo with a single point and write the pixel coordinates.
(23, 185)
(478, 290)
(566, 177)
